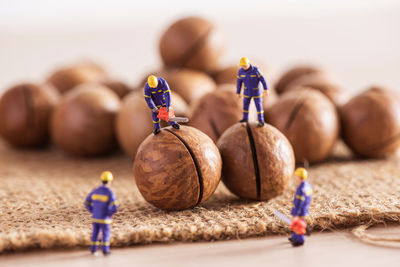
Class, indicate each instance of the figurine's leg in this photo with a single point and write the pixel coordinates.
(174, 124)
(94, 243)
(156, 122)
(297, 240)
(106, 229)
(260, 110)
(246, 104)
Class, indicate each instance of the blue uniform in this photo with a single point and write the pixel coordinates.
(251, 78)
(158, 97)
(301, 202)
(102, 203)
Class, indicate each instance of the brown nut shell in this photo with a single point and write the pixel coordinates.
(371, 123)
(177, 169)
(293, 74)
(309, 120)
(321, 83)
(25, 111)
(120, 88)
(83, 123)
(192, 42)
(215, 112)
(134, 120)
(67, 78)
(258, 162)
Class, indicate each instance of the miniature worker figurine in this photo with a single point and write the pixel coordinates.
(251, 77)
(102, 203)
(301, 203)
(157, 95)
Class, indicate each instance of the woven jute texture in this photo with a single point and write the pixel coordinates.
(42, 194)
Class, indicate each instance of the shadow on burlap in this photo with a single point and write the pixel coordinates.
(42, 194)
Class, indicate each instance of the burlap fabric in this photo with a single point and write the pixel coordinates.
(42, 194)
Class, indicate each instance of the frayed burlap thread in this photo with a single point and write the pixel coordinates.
(42, 194)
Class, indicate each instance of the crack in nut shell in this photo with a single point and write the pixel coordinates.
(275, 160)
(25, 111)
(371, 123)
(313, 130)
(215, 112)
(165, 170)
(191, 42)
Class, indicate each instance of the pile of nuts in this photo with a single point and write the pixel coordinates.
(84, 112)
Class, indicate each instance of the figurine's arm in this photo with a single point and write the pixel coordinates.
(113, 205)
(262, 79)
(88, 203)
(147, 96)
(167, 95)
(239, 84)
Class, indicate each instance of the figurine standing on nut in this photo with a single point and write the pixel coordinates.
(158, 97)
(251, 77)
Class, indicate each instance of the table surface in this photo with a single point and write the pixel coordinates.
(339, 248)
(361, 49)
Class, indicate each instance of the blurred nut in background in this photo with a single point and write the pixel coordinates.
(371, 123)
(25, 111)
(215, 112)
(83, 123)
(258, 162)
(177, 169)
(309, 120)
(67, 78)
(134, 122)
(294, 73)
(192, 42)
(321, 83)
(120, 88)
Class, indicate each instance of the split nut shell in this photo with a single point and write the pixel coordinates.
(177, 169)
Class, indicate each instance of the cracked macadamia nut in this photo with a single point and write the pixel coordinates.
(371, 123)
(83, 123)
(25, 111)
(215, 112)
(134, 121)
(309, 120)
(258, 162)
(192, 42)
(177, 169)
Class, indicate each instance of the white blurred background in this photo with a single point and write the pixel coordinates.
(358, 40)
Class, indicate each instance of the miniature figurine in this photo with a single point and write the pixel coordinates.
(102, 203)
(158, 96)
(251, 77)
(301, 202)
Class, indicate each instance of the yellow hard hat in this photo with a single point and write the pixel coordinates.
(301, 172)
(152, 81)
(106, 176)
(244, 61)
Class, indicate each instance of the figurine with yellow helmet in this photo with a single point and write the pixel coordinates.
(250, 77)
(157, 95)
(301, 202)
(102, 203)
